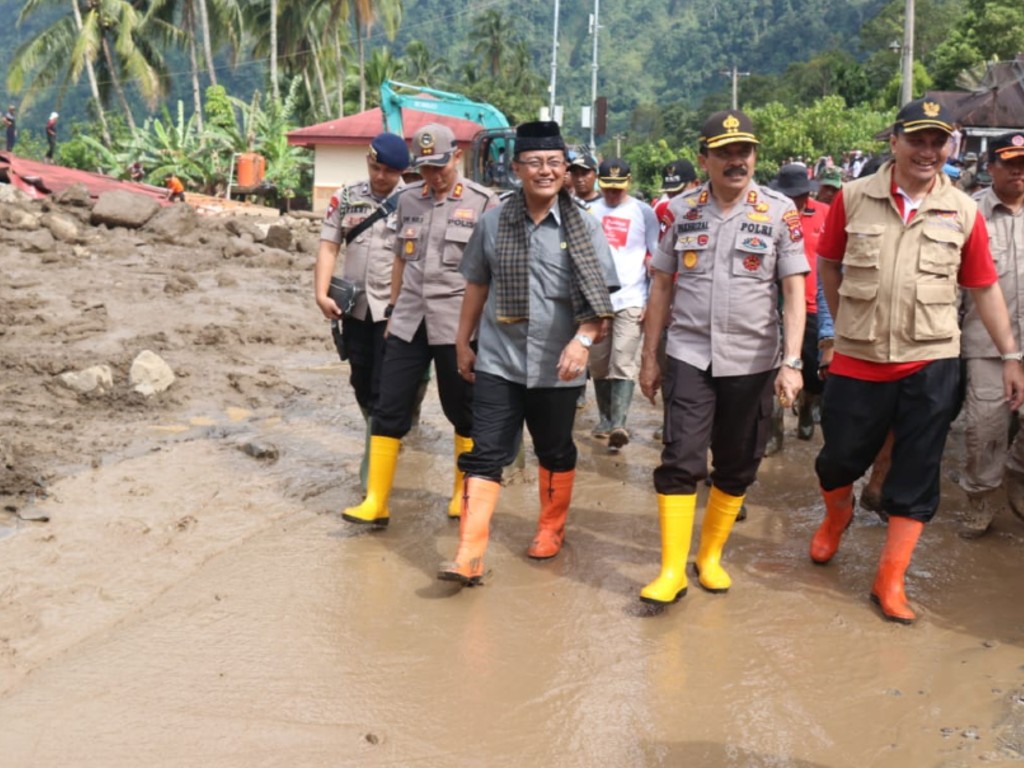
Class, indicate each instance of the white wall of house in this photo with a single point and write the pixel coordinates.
(335, 166)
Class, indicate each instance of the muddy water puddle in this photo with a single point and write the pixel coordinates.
(238, 621)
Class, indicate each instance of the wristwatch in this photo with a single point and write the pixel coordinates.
(388, 310)
(584, 340)
(794, 362)
(1017, 356)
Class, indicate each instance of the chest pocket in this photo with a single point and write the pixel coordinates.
(940, 250)
(410, 237)
(692, 258)
(355, 216)
(863, 246)
(455, 238)
(754, 257)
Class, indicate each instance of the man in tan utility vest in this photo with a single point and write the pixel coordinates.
(896, 246)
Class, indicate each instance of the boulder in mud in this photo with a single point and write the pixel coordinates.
(173, 223)
(123, 209)
(96, 379)
(149, 373)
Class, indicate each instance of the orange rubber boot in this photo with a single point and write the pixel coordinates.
(887, 592)
(838, 516)
(555, 495)
(478, 503)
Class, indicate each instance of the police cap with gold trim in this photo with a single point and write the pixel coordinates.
(613, 174)
(727, 127)
(921, 114)
(433, 144)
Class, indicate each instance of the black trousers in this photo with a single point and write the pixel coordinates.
(809, 354)
(732, 414)
(405, 363)
(857, 415)
(499, 409)
(361, 342)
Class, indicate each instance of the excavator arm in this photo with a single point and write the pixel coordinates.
(492, 149)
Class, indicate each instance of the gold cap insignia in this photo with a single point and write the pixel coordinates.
(731, 124)
(931, 109)
(614, 171)
(426, 143)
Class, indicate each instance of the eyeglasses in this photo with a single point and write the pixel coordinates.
(536, 163)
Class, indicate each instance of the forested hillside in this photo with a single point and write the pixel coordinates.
(822, 75)
(650, 51)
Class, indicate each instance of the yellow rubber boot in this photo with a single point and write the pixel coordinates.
(374, 509)
(481, 497)
(714, 532)
(675, 514)
(462, 445)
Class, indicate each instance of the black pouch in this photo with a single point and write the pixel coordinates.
(339, 340)
(344, 293)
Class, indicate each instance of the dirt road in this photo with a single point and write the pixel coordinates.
(167, 598)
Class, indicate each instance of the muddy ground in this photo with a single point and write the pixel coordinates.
(177, 586)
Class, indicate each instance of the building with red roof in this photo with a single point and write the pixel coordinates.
(340, 146)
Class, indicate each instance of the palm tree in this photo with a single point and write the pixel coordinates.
(421, 68)
(182, 22)
(108, 36)
(493, 32)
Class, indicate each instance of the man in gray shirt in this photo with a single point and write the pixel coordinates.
(538, 274)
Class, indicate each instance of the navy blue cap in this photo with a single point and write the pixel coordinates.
(390, 150)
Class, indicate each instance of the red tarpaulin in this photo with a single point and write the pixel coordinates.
(42, 179)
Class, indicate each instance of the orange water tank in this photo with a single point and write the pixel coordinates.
(251, 169)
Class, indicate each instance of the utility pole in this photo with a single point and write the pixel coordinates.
(735, 82)
(554, 64)
(594, 29)
(907, 93)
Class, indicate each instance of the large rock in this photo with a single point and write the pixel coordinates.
(244, 229)
(12, 217)
(76, 196)
(173, 222)
(278, 237)
(123, 209)
(62, 227)
(36, 241)
(11, 194)
(149, 373)
(97, 379)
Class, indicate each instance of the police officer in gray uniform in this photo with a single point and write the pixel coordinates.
(731, 242)
(435, 218)
(359, 334)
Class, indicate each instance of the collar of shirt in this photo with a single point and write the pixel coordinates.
(905, 204)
